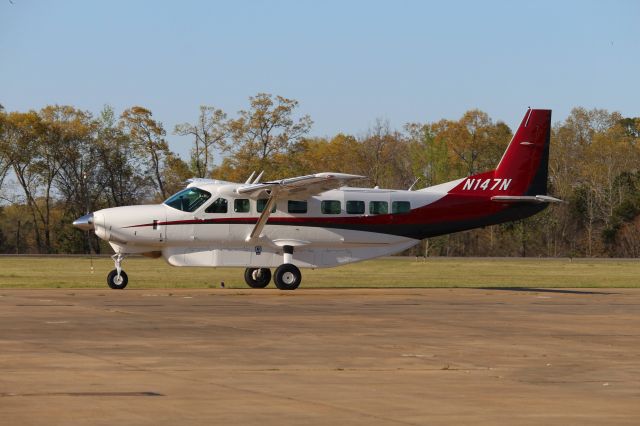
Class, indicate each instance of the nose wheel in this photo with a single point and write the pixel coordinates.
(117, 282)
(117, 279)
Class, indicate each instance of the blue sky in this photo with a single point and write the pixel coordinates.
(346, 62)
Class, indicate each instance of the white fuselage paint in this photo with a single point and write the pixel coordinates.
(130, 230)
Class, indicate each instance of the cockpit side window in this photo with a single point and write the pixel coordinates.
(188, 200)
(218, 206)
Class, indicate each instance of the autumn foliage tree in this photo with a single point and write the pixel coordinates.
(149, 143)
(262, 135)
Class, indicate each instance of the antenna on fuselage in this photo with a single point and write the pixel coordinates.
(413, 184)
(248, 181)
(259, 177)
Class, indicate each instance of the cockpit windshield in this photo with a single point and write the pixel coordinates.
(188, 200)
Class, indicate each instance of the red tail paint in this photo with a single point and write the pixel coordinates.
(523, 167)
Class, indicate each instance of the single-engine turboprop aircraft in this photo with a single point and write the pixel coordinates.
(316, 221)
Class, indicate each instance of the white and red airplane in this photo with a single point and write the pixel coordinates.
(316, 221)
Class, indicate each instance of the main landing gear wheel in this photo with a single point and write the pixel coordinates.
(287, 277)
(257, 277)
(117, 282)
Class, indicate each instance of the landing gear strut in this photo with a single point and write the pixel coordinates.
(117, 279)
(287, 276)
(257, 277)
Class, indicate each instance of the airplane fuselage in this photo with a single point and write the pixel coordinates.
(330, 229)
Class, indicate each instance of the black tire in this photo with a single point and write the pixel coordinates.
(114, 282)
(261, 280)
(287, 277)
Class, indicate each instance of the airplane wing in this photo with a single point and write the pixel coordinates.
(300, 187)
(297, 188)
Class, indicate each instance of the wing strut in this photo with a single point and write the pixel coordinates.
(264, 216)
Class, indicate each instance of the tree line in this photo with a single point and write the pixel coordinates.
(61, 162)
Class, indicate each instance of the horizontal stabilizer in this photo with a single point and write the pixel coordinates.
(525, 199)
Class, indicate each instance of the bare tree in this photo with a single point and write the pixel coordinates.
(209, 132)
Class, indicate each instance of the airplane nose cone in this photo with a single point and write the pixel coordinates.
(85, 222)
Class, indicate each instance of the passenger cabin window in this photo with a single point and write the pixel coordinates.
(241, 205)
(297, 207)
(355, 207)
(400, 207)
(378, 207)
(188, 200)
(330, 207)
(218, 206)
(262, 203)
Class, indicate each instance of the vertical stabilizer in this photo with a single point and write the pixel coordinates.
(526, 159)
(523, 169)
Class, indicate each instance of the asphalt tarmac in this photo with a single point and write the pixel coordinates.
(317, 357)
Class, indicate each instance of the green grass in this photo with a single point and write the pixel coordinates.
(76, 272)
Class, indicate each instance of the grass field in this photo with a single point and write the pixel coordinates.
(83, 272)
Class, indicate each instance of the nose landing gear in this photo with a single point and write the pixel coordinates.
(117, 279)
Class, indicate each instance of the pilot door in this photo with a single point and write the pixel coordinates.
(212, 225)
(206, 227)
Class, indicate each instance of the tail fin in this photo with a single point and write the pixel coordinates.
(526, 159)
(523, 169)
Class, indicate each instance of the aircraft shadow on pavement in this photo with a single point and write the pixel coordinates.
(547, 290)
